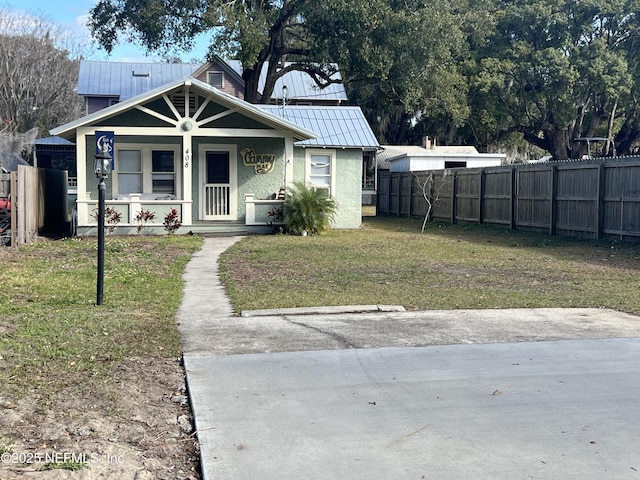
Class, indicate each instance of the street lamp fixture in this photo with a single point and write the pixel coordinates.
(101, 167)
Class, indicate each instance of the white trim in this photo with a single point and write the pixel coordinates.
(209, 72)
(146, 149)
(331, 153)
(217, 116)
(198, 88)
(233, 179)
(159, 116)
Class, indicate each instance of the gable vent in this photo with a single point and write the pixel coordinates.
(178, 102)
(140, 74)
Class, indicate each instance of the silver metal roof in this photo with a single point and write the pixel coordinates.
(126, 80)
(336, 126)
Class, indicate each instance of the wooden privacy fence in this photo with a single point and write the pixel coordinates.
(38, 203)
(594, 199)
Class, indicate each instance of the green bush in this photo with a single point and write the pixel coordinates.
(307, 210)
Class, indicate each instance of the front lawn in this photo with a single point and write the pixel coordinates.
(388, 261)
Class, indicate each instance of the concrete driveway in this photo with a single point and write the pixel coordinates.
(501, 394)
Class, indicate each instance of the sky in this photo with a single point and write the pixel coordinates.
(71, 15)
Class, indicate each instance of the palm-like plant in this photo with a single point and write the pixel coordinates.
(307, 210)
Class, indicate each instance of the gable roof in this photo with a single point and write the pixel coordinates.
(127, 79)
(336, 126)
(252, 111)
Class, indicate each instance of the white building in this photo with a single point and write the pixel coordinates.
(440, 157)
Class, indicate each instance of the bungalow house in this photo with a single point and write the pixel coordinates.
(218, 160)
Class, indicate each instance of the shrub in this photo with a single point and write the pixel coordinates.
(112, 218)
(142, 217)
(307, 210)
(172, 221)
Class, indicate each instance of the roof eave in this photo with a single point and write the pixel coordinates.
(298, 133)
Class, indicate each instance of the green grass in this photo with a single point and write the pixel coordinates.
(52, 336)
(388, 261)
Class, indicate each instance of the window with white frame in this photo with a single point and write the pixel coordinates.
(129, 171)
(215, 79)
(321, 170)
(163, 175)
(146, 169)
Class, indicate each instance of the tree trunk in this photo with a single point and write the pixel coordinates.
(251, 76)
(560, 146)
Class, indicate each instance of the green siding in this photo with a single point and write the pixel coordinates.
(349, 188)
(348, 184)
(262, 185)
(133, 118)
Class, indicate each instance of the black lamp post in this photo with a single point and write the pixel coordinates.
(101, 167)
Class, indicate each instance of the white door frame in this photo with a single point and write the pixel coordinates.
(233, 181)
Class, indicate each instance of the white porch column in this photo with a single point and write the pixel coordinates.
(81, 165)
(187, 175)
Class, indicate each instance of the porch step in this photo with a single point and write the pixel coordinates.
(224, 229)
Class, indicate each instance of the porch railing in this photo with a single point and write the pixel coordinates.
(217, 200)
(258, 210)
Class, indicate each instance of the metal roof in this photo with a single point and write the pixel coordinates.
(336, 126)
(53, 140)
(126, 80)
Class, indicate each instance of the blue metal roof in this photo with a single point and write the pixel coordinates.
(336, 126)
(126, 80)
(53, 141)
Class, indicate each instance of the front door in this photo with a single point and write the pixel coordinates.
(218, 190)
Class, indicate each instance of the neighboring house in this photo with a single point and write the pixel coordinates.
(218, 160)
(56, 153)
(103, 84)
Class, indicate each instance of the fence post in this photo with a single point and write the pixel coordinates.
(600, 201)
(389, 184)
(14, 208)
(410, 175)
(454, 192)
(553, 214)
(514, 189)
(481, 196)
(432, 193)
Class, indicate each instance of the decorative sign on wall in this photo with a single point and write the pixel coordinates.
(261, 162)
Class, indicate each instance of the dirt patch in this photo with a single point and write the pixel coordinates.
(136, 425)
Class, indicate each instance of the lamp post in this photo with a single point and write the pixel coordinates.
(101, 167)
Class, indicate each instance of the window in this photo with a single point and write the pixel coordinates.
(321, 170)
(163, 172)
(454, 164)
(369, 170)
(147, 169)
(129, 171)
(215, 79)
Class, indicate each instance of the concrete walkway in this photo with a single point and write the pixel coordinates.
(337, 402)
